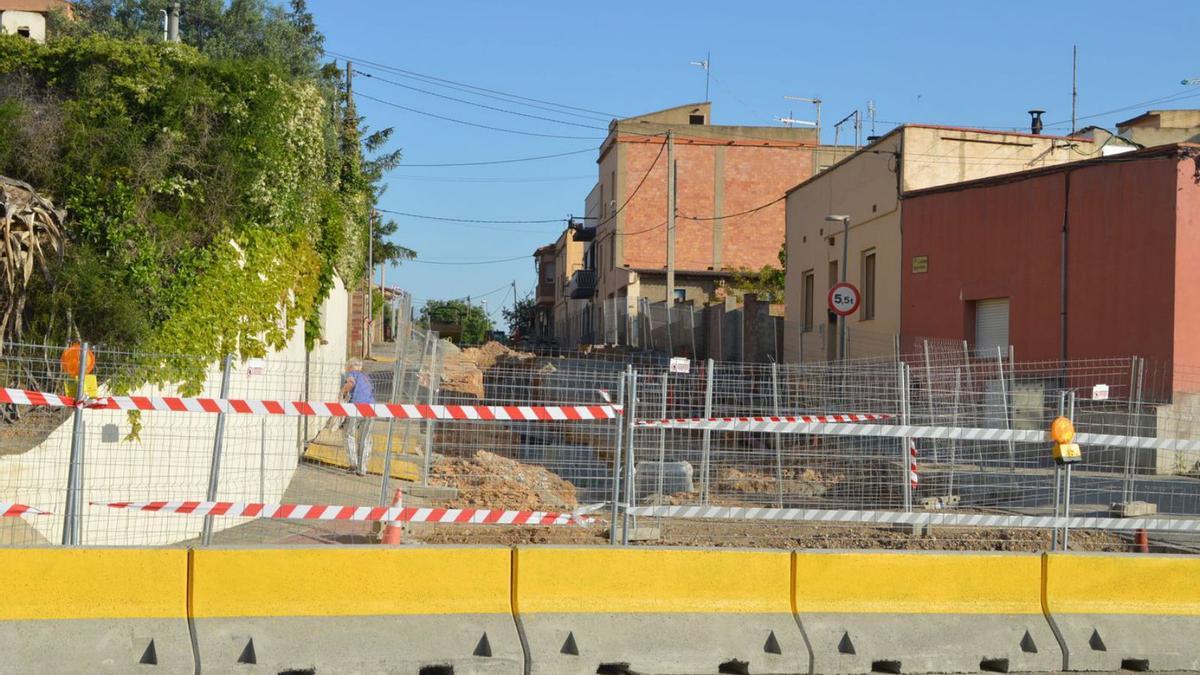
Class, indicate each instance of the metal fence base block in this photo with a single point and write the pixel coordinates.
(930, 643)
(665, 643)
(471, 644)
(96, 646)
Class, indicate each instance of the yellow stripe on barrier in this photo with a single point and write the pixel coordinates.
(918, 583)
(350, 582)
(101, 583)
(608, 580)
(1122, 584)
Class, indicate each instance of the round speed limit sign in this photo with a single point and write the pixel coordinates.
(844, 299)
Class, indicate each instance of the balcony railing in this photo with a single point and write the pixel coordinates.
(583, 284)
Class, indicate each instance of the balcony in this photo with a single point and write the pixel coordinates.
(583, 284)
(584, 233)
(545, 293)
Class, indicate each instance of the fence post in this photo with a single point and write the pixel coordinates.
(706, 435)
(692, 320)
(1012, 450)
(1058, 473)
(1066, 538)
(662, 437)
(616, 475)
(398, 373)
(214, 469)
(929, 398)
(630, 488)
(778, 437)
(1131, 428)
(71, 524)
(434, 383)
(905, 459)
(954, 423)
(670, 326)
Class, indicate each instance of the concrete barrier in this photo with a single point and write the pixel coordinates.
(1126, 612)
(81, 610)
(427, 611)
(923, 612)
(602, 610)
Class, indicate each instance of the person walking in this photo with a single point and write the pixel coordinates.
(356, 388)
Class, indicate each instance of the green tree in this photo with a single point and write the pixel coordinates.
(521, 317)
(768, 283)
(471, 319)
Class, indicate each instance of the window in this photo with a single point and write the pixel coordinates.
(810, 283)
(680, 295)
(868, 285)
(991, 326)
(833, 273)
(23, 31)
(695, 119)
(548, 272)
(612, 254)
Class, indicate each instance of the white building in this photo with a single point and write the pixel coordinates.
(27, 18)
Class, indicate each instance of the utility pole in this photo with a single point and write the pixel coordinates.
(670, 220)
(173, 23)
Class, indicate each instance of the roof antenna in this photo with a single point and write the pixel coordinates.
(706, 64)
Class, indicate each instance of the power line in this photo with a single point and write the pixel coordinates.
(639, 186)
(472, 124)
(474, 220)
(490, 179)
(453, 84)
(760, 207)
(471, 262)
(480, 105)
(497, 161)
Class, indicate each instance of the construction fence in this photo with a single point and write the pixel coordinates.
(703, 452)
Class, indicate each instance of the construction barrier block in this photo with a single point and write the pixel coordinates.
(923, 612)
(360, 610)
(1126, 611)
(94, 610)
(645, 610)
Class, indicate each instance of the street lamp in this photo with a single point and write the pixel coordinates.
(845, 221)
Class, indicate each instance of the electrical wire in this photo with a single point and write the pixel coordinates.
(760, 207)
(458, 85)
(480, 105)
(490, 179)
(471, 262)
(473, 220)
(637, 188)
(497, 161)
(472, 124)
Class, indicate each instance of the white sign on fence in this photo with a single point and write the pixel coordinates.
(1100, 392)
(680, 364)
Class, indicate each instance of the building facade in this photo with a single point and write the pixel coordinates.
(1089, 260)
(869, 187)
(1160, 127)
(27, 18)
(729, 212)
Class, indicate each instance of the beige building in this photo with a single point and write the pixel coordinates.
(1160, 127)
(868, 186)
(27, 18)
(568, 311)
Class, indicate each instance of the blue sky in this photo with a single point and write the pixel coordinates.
(965, 64)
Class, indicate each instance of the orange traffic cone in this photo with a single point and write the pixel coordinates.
(392, 530)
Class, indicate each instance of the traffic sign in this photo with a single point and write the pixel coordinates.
(844, 299)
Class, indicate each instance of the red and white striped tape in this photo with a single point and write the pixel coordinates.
(914, 476)
(769, 423)
(356, 513)
(15, 510)
(538, 413)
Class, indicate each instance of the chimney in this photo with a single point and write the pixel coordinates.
(173, 23)
(1035, 124)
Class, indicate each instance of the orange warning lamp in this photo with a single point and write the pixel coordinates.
(1062, 430)
(70, 360)
(1065, 451)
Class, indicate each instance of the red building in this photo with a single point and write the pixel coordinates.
(1093, 259)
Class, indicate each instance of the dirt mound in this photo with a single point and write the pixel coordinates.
(804, 483)
(490, 481)
(462, 370)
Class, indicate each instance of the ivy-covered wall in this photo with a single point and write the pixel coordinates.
(209, 200)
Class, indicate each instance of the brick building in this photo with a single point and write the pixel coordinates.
(724, 174)
(1092, 259)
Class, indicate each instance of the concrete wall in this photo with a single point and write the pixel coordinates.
(170, 461)
(1160, 127)
(13, 20)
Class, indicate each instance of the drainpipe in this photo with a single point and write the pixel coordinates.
(1066, 238)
